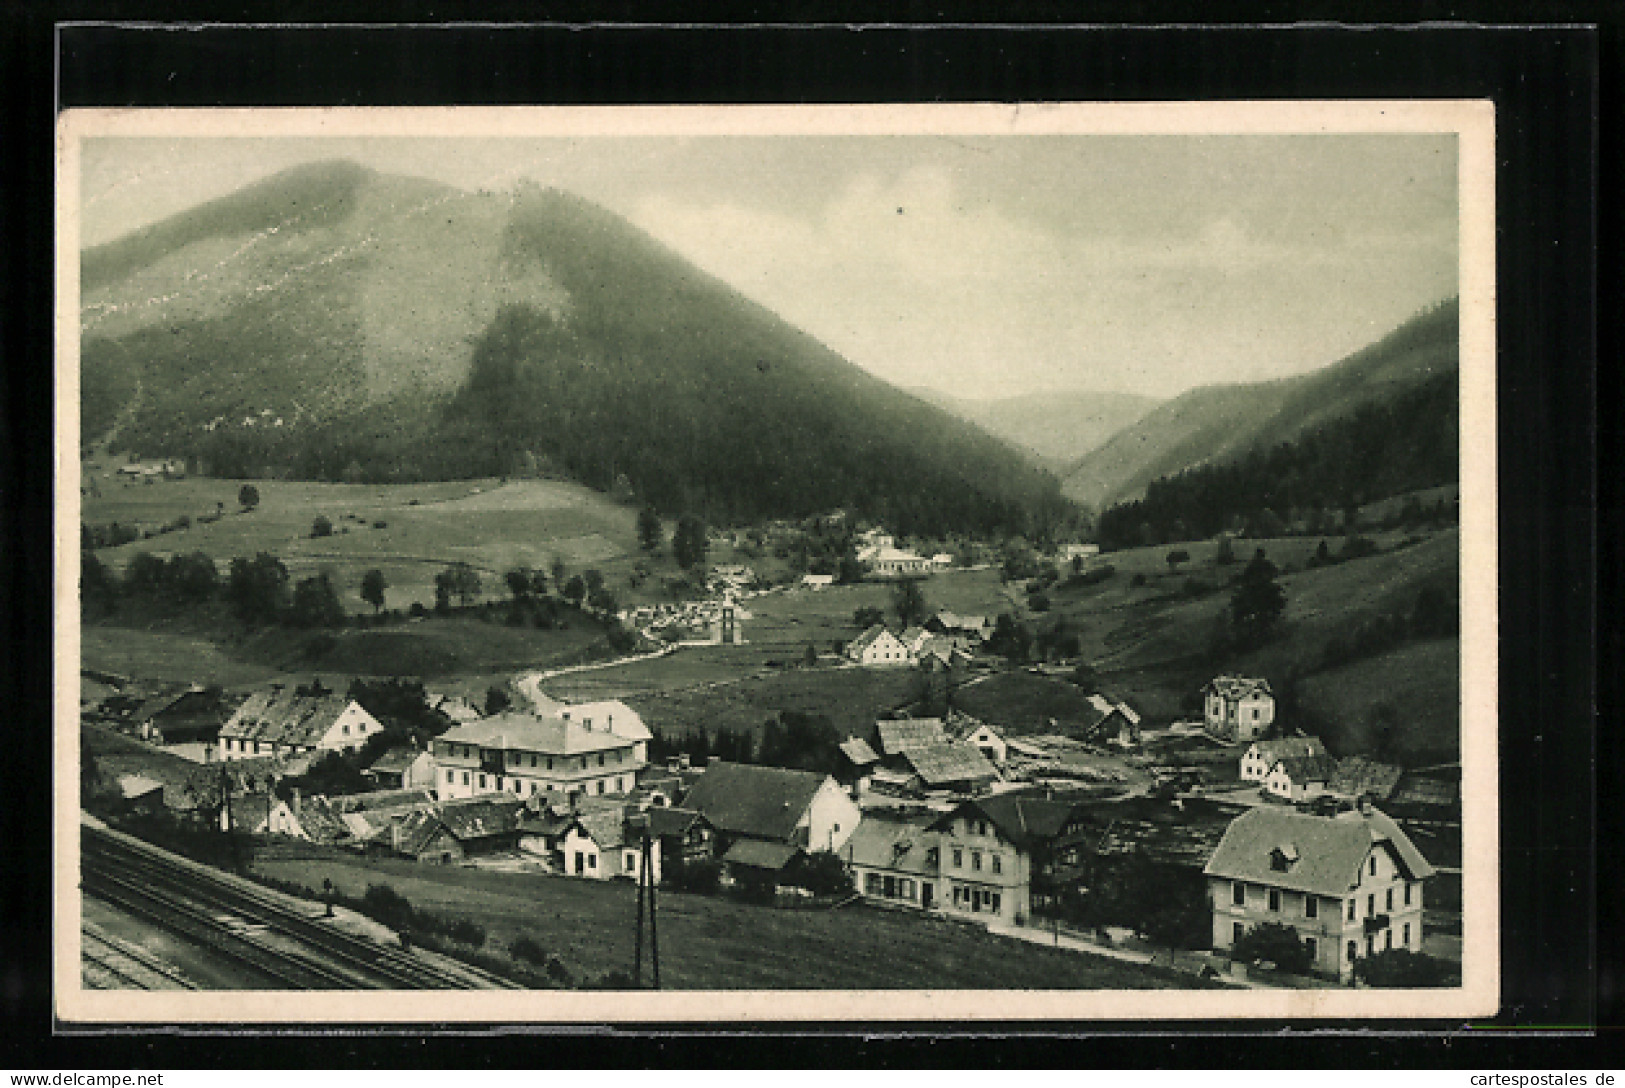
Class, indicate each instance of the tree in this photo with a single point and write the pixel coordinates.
(248, 496)
(1086, 676)
(144, 573)
(316, 603)
(558, 570)
(192, 577)
(1178, 556)
(574, 590)
(823, 873)
(96, 583)
(321, 526)
(1257, 603)
(497, 700)
(688, 543)
(257, 588)
(1226, 552)
(594, 580)
(650, 532)
(1401, 968)
(520, 583)
(602, 600)
(908, 601)
(372, 589)
(1435, 614)
(867, 617)
(1010, 639)
(1277, 943)
(458, 580)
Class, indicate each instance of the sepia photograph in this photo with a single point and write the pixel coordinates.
(776, 563)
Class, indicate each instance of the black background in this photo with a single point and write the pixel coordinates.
(1556, 93)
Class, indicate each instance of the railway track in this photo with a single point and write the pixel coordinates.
(111, 964)
(254, 928)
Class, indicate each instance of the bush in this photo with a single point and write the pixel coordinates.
(1038, 602)
(1277, 943)
(701, 877)
(1093, 576)
(417, 610)
(321, 526)
(1401, 968)
(824, 874)
(385, 905)
(1138, 581)
(469, 933)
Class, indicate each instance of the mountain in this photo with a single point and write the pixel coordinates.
(1215, 424)
(1057, 429)
(335, 323)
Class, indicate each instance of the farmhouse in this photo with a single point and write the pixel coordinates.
(403, 768)
(897, 735)
(1261, 757)
(282, 722)
(1299, 778)
(1237, 708)
(773, 805)
(1358, 776)
(684, 834)
(972, 629)
(1350, 885)
(878, 647)
(957, 863)
(460, 829)
(949, 766)
(858, 761)
(313, 820)
(985, 871)
(983, 737)
(531, 755)
(600, 843)
(194, 713)
(897, 858)
(1111, 723)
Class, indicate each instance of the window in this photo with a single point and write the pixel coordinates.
(1407, 893)
(959, 858)
(1309, 946)
(482, 781)
(1354, 951)
(1237, 931)
(600, 759)
(995, 902)
(1255, 713)
(465, 778)
(1407, 934)
(533, 761)
(1387, 939)
(1371, 905)
(1373, 869)
(1389, 901)
(1353, 905)
(550, 763)
(976, 860)
(600, 785)
(998, 864)
(533, 789)
(1238, 894)
(1275, 899)
(630, 863)
(1311, 907)
(346, 730)
(451, 776)
(592, 861)
(871, 883)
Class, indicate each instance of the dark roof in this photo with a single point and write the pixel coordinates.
(280, 716)
(382, 799)
(896, 736)
(948, 763)
(1238, 687)
(1307, 768)
(886, 840)
(761, 855)
(1358, 775)
(481, 817)
(605, 826)
(673, 820)
(1023, 818)
(1286, 748)
(763, 802)
(1329, 849)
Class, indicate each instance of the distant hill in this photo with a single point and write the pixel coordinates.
(1215, 424)
(332, 323)
(1056, 428)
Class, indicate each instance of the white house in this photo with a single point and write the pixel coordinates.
(1261, 757)
(1351, 885)
(817, 581)
(599, 845)
(532, 755)
(1237, 708)
(880, 648)
(403, 768)
(280, 722)
(1300, 778)
(984, 737)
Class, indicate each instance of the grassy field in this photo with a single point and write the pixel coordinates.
(851, 698)
(716, 944)
(790, 620)
(1024, 702)
(1419, 684)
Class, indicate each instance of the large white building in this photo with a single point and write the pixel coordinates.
(528, 754)
(1238, 708)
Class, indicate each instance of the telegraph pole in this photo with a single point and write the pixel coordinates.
(647, 873)
(646, 888)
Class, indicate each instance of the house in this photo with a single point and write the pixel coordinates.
(455, 830)
(140, 793)
(1261, 757)
(858, 761)
(1350, 884)
(897, 735)
(684, 834)
(753, 859)
(1237, 708)
(403, 768)
(191, 714)
(973, 630)
(984, 738)
(773, 804)
(884, 559)
(370, 817)
(878, 647)
(726, 624)
(313, 819)
(817, 581)
(455, 707)
(1110, 722)
(530, 755)
(950, 766)
(1358, 776)
(959, 863)
(280, 721)
(615, 717)
(1070, 552)
(602, 843)
(1299, 778)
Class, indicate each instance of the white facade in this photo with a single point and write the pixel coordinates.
(830, 817)
(885, 650)
(349, 731)
(1280, 783)
(529, 756)
(584, 857)
(1238, 710)
(988, 740)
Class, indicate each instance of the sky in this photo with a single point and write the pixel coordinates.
(976, 266)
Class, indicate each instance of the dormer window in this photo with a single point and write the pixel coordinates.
(1283, 857)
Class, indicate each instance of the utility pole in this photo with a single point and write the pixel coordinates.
(646, 887)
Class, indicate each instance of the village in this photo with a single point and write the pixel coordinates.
(1230, 847)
